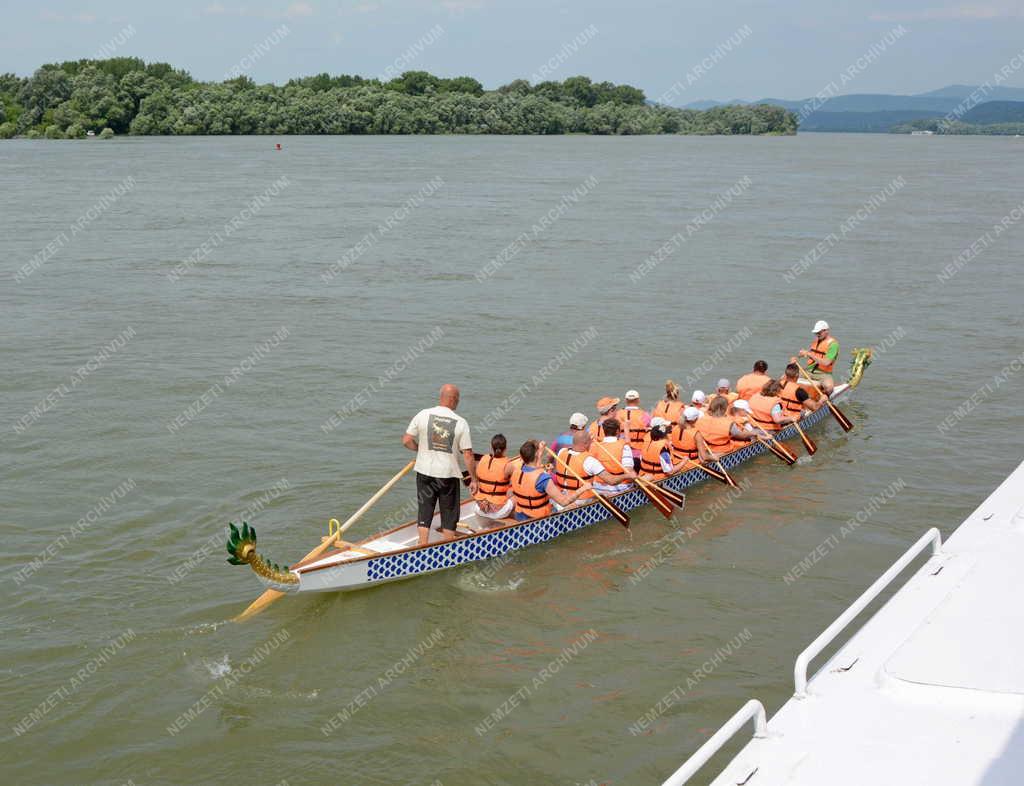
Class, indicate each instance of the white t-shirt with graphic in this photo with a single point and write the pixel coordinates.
(441, 436)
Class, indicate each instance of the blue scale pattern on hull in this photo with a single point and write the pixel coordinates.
(494, 544)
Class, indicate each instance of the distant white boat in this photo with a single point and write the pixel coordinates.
(922, 133)
(90, 133)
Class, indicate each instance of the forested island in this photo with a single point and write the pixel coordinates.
(124, 95)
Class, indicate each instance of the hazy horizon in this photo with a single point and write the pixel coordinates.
(792, 50)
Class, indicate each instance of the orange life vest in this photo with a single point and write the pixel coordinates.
(564, 477)
(761, 408)
(610, 456)
(633, 424)
(790, 403)
(684, 442)
(715, 431)
(650, 458)
(597, 429)
(819, 349)
(490, 476)
(751, 384)
(669, 410)
(529, 501)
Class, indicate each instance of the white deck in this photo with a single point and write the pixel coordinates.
(931, 689)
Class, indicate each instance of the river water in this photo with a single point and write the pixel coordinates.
(155, 389)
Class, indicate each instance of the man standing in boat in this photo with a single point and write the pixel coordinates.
(435, 434)
(821, 356)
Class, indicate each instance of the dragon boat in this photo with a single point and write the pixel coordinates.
(395, 553)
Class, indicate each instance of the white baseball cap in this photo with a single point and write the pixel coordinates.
(660, 422)
(578, 419)
(698, 396)
(723, 383)
(632, 395)
(741, 404)
(820, 325)
(691, 413)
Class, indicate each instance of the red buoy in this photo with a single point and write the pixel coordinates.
(278, 145)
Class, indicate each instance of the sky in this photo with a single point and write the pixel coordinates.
(783, 49)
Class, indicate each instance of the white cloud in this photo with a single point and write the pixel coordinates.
(299, 9)
(216, 9)
(976, 11)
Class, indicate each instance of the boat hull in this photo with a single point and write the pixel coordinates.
(341, 572)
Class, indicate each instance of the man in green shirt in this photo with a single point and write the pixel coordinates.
(821, 356)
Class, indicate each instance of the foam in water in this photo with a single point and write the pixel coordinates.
(219, 668)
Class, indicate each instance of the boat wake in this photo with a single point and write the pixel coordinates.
(480, 581)
(218, 668)
(204, 627)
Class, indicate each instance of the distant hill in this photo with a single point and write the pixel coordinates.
(863, 122)
(995, 112)
(998, 93)
(882, 112)
(870, 102)
(707, 103)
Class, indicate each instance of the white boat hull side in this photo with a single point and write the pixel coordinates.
(341, 573)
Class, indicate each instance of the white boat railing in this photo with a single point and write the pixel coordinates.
(753, 709)
(932, 537)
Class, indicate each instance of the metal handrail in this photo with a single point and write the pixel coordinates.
(932, 536)
(753, 709)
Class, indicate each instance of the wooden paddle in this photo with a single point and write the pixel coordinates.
(728, 477)
(660, 501)
(809, 443)
(839, 416)
(777, 449)
(713, 473)
(619, 516)
(661, 504)
(674, 497)
(271, 595)
(771, 443)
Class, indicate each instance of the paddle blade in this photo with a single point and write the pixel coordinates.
(676, 499)
(810, 444)
(259, 605)
(839, 416)
(786, 454)
(660, 503)
(617, 514)
(717, 476)
(728, 477)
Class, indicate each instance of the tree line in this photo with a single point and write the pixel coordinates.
(124, 95)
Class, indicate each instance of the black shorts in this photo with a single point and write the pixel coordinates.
(437, 492)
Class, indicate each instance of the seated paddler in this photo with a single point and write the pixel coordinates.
(494, 489)
(615, 456)
(533, 488)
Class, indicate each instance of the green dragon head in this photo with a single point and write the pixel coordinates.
(242, 548)
(861, 360)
